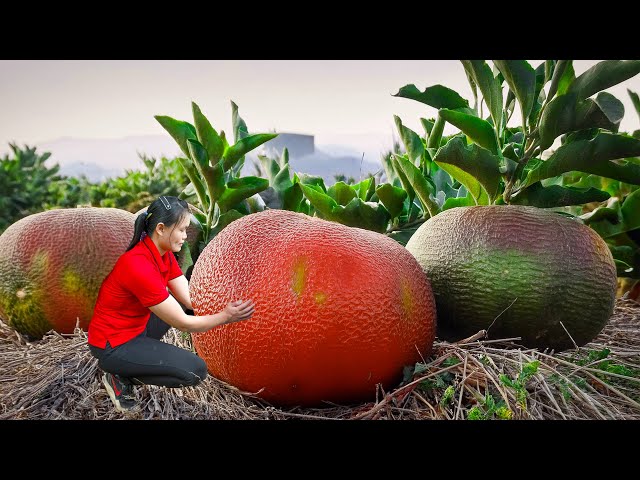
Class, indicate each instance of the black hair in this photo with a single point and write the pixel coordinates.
(164, 209)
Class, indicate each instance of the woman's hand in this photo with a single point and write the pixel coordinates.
(239, 310)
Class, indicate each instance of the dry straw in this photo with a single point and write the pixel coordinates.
(57, 378)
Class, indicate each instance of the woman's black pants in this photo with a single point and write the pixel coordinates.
(146, 360)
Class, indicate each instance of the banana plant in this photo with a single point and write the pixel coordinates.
(213, 168)
(618, 222)
(636, 103)
(363, 204)
(284, 192)
(137, 188)
(500, 164)
(27, 184)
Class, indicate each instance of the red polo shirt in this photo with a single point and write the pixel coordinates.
(138, 281)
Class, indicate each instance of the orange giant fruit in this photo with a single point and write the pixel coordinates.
(52, 265)
(338, 309)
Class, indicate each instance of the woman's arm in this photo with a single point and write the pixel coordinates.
(179, 287)
(170, 311)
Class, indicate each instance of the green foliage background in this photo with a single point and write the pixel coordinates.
(594, 175)
(29, 186)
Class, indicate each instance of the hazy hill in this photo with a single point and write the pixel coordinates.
(102, 158)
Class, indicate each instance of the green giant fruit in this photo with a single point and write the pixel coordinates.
(516, 271)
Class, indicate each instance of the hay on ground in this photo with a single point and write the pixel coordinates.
(57, 378)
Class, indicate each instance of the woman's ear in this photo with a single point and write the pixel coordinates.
(160, 228)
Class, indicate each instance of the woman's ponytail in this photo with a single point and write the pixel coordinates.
(139, 230)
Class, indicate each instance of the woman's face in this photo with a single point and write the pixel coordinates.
(173, 238)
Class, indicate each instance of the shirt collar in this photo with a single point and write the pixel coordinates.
(160, 260)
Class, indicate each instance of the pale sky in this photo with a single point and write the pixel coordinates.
(41, 100)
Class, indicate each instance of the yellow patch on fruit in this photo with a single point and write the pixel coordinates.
(406, 298)
(299, 276)
(320, 297)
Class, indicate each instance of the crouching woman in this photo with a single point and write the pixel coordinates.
(134, 310)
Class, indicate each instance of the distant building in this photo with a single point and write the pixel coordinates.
(305, 158)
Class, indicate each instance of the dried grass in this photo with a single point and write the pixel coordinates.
(57, 378)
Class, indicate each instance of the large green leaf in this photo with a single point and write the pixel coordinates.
(437, 96)
(188, 191)
(549, 68)
(239, 149)
(240, 129)
(392, 198)
(224, 220)
(453, 202)
(558, 117)
(612, 108)
(630, 211)
(270, 166)
(282, 180)
(475, 167)
(397, 168)
(322, 202)
(419, 184)
(592, 156)
(565, 114)
(411, 140)
(542, 75)
(473, 84)
(612, 187)
(367, 215)
(609, 213)
(441, 178)
(636, 100)
(356, 213)
(196, 180)
(365, 188)
(199, 155)
(556, 196)
(307, 179)
(603, 75)
(284, 157)
(605, 112)
(427, 125)
(567, 78)
(179, 130)
(240, 188)
(435, 136)
(479, 130)
(281, 192)
(207, 135)
(292, 198)
(521, 79)
(607, 220)
(490, 86)
(558, 72)
(216, 179)
(213, 175)
(341, 193)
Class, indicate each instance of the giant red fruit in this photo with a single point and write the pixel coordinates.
(52, 265)
(338, 309)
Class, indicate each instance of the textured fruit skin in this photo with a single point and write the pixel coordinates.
(481, 259)
(338, 309)
(52, 265)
